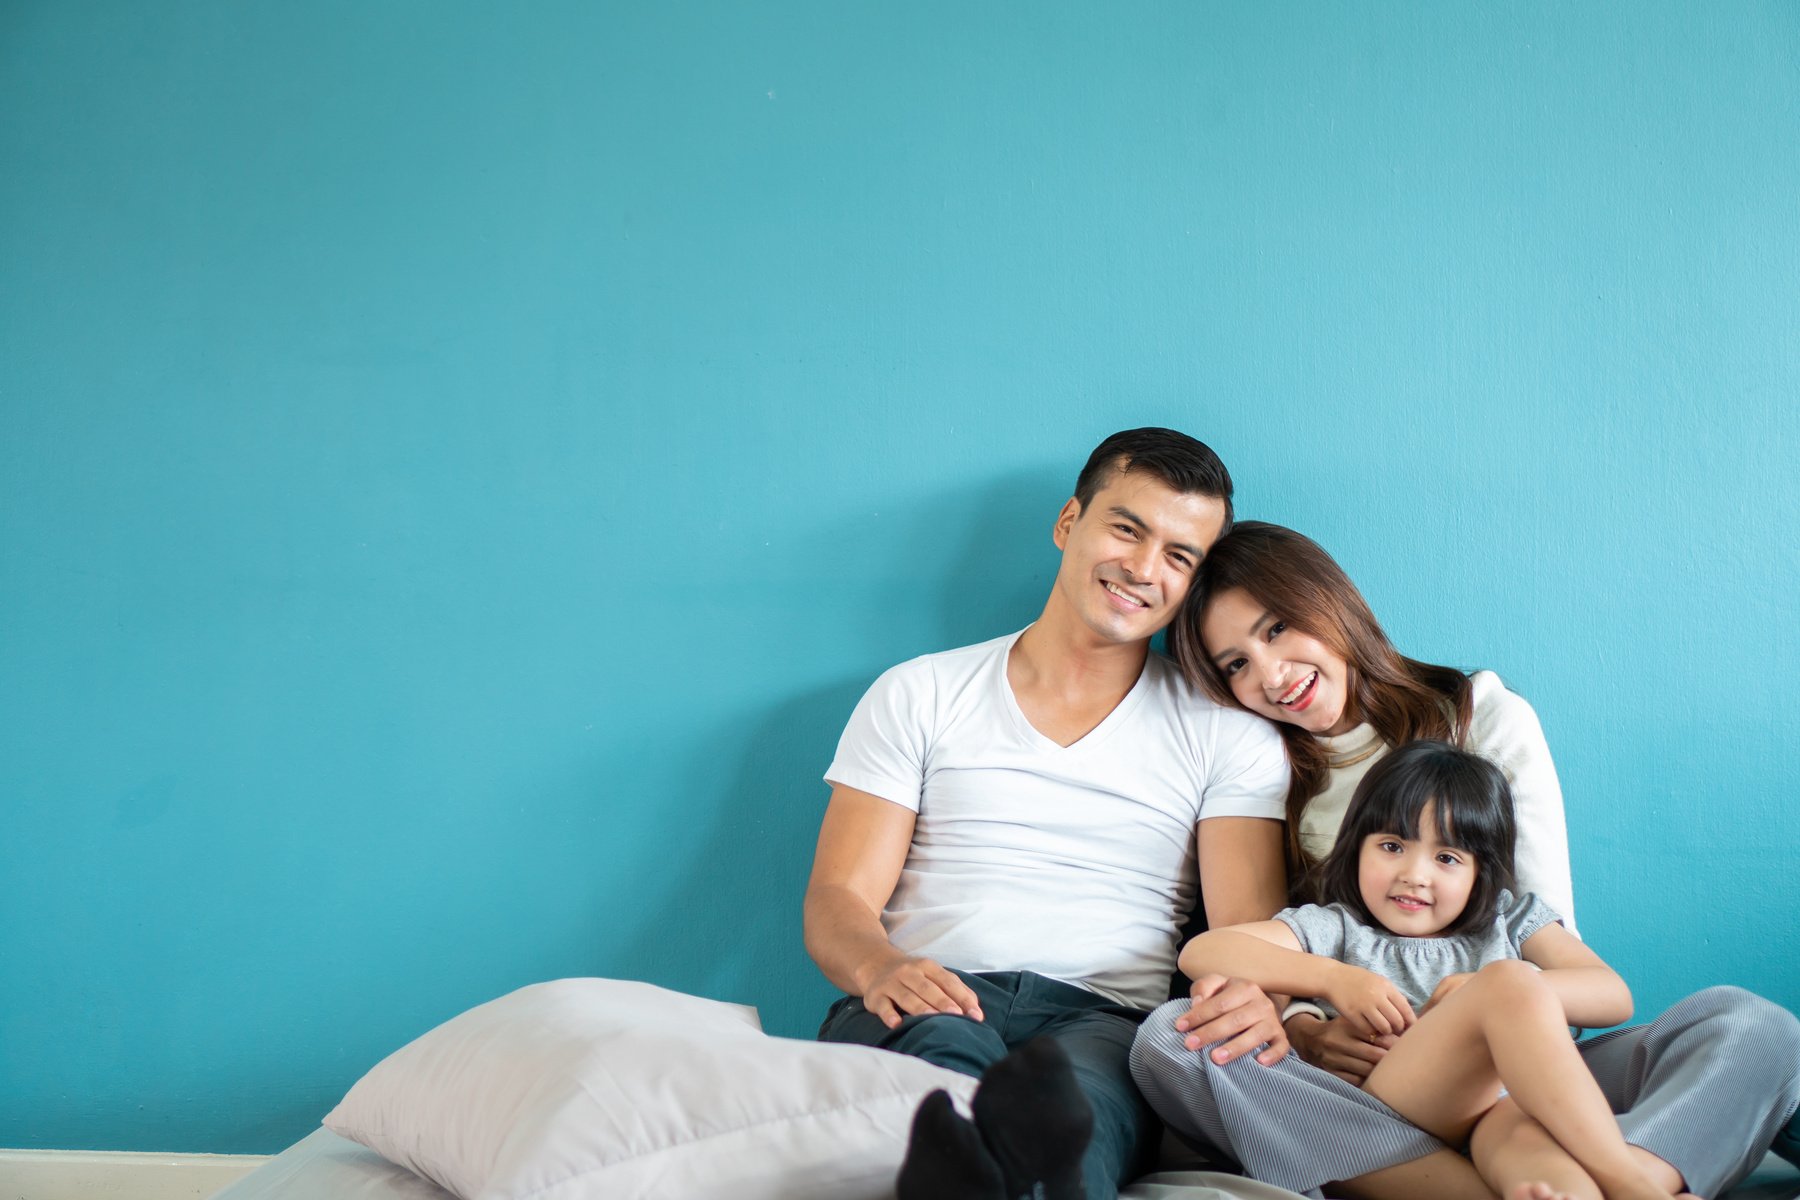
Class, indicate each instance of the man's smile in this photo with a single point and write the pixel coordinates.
(1124, 595)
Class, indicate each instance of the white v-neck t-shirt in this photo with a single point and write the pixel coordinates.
(1076, 862)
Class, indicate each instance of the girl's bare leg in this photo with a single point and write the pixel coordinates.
(1507, 1024)
(1664, 1173)
(1510, 1150)
(1513, 1152)
(1440, 1175)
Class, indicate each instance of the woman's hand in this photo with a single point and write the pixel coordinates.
(1445, 986)
(1336, 1047)
(1369, 1002)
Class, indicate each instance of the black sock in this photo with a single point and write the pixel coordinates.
(945, 1158)
(1035, 1120)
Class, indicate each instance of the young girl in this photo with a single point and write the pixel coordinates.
(1419, 933)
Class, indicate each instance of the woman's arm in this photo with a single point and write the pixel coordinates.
(1504, 729)
(1592, 993)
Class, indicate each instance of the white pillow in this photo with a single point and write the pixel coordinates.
(588, 1088)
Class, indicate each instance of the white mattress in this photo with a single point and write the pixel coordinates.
(324, 1166)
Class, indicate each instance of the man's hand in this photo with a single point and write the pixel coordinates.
(1336, 1047)
(909, 987)
(1234, 1012)
(1446, 985)
(1369, 1002)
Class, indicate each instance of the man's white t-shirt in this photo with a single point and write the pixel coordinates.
(1075, 862)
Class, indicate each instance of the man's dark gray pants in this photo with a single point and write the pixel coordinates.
(1019, 1006)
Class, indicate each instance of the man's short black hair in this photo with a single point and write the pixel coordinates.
(1184, 463)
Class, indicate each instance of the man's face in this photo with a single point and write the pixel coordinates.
(1129, 556)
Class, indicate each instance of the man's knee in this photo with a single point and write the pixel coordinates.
(956, 1042)
(959, 1043)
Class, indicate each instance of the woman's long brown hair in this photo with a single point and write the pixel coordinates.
(1292, 577)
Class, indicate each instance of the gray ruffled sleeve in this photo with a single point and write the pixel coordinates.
(1524, 915)
(1319, 928)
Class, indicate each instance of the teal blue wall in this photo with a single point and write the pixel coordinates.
(460, 463)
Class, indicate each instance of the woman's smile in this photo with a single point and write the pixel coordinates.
(1300, 696)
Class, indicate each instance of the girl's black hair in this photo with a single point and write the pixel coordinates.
(1474, 813)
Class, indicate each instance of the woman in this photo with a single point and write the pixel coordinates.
(1273, 625)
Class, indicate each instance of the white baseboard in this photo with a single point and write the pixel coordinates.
(114, 1175)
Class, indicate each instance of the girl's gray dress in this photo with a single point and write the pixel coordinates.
(1415, 965)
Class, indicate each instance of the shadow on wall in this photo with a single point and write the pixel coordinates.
(732, 928)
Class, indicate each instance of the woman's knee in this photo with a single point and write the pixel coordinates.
(1161, 1064)
(1760, 1040)
(1158, 1040)
(1736, 1015)
(1726, 1000)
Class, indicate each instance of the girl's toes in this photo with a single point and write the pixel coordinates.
(1537, 1191)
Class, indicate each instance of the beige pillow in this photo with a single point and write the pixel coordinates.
(588, 1088)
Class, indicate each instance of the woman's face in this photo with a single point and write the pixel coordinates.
(1275, 670)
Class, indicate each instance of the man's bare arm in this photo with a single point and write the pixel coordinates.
(1243, 872)
(863, 844)
(1243, 878)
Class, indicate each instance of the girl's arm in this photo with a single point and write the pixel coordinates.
(1268, 954)
(1592, 993)
(1265, 952)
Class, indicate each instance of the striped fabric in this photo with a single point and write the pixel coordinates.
(1706, 1086)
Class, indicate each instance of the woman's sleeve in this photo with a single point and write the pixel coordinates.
(1504, 729)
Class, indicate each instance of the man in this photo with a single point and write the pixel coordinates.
(1014, 833)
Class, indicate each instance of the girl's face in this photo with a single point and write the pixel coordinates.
(1415, 888)
(1274, 669)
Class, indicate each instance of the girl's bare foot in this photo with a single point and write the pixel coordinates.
(1536, 1191)
(1639, 1186)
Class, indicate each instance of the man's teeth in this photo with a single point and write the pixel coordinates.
(1293, 693)
(1126, 595)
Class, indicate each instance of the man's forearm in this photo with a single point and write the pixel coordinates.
(845, 938)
